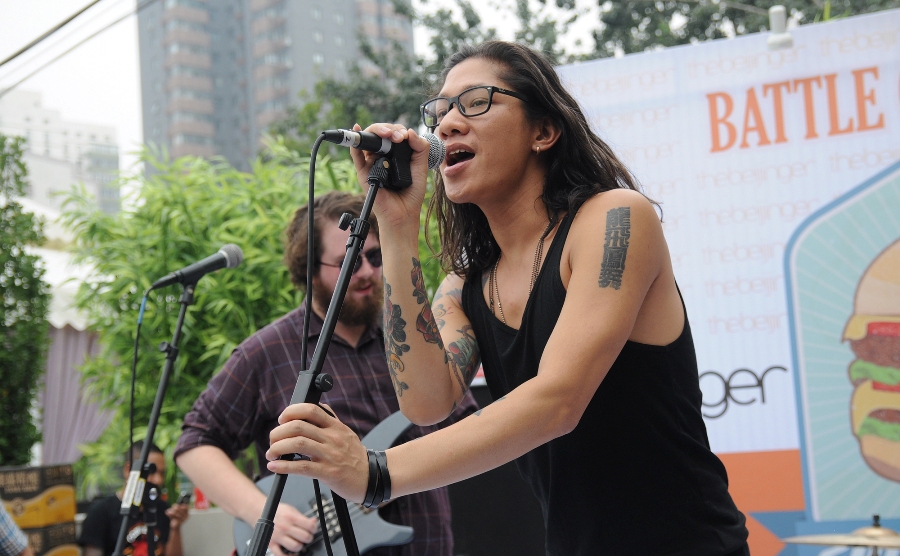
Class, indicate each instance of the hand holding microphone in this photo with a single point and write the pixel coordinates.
(399, 153)
(367, 141)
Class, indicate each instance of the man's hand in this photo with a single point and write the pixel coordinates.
(293, 530)
(177, 514)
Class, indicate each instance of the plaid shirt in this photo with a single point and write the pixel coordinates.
(12, 539)
(241, 405)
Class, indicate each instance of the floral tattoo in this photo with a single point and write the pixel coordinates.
(394, 338)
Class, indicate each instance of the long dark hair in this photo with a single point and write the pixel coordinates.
(580, 163)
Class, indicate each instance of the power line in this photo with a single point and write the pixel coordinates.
(47, 34)
(73, 47)
(62, 38)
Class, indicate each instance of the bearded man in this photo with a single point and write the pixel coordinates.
(241, 404)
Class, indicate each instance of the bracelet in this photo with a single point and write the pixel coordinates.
(372, 487)
(381, 457)
(379, 488)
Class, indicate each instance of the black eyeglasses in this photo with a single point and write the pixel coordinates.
(471, 102)
(373, 256)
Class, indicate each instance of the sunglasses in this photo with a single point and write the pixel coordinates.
(373, 256)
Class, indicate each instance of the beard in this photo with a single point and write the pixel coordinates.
(354, 312)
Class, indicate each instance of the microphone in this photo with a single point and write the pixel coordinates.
(373, 143)
(229, 256)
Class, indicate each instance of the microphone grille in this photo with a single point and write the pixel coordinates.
(233, 255)
(436, 152)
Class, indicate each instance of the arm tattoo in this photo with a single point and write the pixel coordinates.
(425, 322)
(394, 336)
(441, 310)
(463, 357)
(615, 247)
(478, 413)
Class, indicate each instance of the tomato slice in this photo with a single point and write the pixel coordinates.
(884, 387)
(884, 328)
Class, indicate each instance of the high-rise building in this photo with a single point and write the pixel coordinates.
(216, 74)
(60, 153)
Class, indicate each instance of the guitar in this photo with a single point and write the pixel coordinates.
(371, 531)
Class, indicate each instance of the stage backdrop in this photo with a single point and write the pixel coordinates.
(745, 147)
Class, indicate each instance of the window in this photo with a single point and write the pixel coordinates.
(276, 34)
(274, 82)
(273, 59)
(273, 105)
(271, 11)
(196, 4)
(180, 24)
(175, 48)
(191, 94)
(187, 71)
(183, 139)
(191, 117)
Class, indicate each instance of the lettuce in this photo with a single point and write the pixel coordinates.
(889, 431)
(864, 370)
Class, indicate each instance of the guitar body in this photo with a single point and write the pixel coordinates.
(371, 531)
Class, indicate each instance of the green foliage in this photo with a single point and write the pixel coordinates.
(24, 302)
(638, 25)
(185, 211)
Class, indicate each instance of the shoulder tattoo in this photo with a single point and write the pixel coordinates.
(615, 247)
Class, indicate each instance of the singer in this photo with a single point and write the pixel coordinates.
(560, 283)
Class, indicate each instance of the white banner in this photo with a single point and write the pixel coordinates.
(740, 144)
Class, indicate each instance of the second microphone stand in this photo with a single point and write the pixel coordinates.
(134, 495)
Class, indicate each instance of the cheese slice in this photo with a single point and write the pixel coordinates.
(866, 400)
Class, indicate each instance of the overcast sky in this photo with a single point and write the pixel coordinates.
(98, 82)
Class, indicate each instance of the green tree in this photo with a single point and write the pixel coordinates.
(186, 210)
(23, 313)
(638, 25)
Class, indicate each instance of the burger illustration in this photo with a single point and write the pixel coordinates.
(874, 335)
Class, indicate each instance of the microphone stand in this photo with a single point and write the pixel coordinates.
(313, 382)
(137, 480)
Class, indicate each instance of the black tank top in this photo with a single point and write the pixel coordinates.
(636, 476)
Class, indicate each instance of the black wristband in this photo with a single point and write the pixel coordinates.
(372, 487)
(379, 485)
(381, 457)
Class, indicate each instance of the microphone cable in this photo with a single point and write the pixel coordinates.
(134, 360)
(307, 301)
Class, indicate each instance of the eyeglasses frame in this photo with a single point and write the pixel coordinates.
(455, 101)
